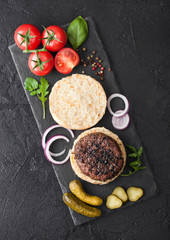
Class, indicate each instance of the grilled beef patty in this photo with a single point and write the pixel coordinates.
(98, 156)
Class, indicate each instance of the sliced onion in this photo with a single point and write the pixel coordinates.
(43, 142)
(47, 151)
(120, 123)
(118, 113)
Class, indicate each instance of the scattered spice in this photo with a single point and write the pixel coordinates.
(94, 62)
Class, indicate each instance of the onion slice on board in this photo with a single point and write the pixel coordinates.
(118, 113)
(43, 142)
(120, 123)
(47, 152)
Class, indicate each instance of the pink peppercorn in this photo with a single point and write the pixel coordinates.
(93, 68)
(102, 68)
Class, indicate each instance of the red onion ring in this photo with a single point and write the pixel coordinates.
(47, 152)
(118, 113)
(121, 123)
(43, 142)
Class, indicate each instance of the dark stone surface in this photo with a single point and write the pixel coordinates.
(136, 37)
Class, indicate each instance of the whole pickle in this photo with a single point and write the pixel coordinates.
(78, 206)
(77, 189)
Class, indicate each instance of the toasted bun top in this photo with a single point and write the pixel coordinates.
(77, 101)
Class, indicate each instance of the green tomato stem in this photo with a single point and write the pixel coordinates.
(36, 50)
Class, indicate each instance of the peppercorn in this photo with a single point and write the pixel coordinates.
(96, 73)
(97, 58)
(93, 65)
(85, 64)
(109, 69)
(101, 78)
(77, 50)
(100, 60)
(91, 56)
(99, 65)
(84, 49)
(93, 68)
(101, 74)
(82, 71)
(82, 60)
(101, 71)
(102, 68)
(88, 58)
(94, 52)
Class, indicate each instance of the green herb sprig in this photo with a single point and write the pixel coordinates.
(33, 86)
(135, 165)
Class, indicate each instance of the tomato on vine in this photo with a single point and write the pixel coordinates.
(41, 63)
(54, 38)
(27, 37)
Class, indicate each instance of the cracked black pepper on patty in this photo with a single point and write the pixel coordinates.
(98, 156)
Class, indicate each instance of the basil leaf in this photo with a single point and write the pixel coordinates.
(77, 32)
(31, 84)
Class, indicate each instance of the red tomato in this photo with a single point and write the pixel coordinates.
(65, 60)
(23, 33)
(44, 62)
(53, 33)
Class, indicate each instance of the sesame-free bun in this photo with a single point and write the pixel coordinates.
(75, 166)
(77, 102)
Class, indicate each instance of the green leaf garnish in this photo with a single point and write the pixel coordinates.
(35, 88)
(31, 84)
(135, 165)
(77, 32)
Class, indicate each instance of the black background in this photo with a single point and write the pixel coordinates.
(136, 36)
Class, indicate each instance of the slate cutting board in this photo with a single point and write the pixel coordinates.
(129, 136)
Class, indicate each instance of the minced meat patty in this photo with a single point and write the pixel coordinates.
(98, 156)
